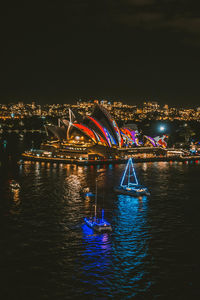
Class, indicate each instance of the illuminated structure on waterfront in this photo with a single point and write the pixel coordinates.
(96, 136)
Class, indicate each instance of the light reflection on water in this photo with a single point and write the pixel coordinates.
(96, 259)
(130, 245)
(140, 258)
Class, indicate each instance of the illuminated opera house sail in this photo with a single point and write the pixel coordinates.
(96, 134)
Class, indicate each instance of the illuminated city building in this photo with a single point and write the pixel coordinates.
(97, 135)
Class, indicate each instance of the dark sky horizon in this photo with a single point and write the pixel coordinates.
(58, 51)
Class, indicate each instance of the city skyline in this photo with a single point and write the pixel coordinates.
(149, 110)
(91, 99)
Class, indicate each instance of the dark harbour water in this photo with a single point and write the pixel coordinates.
(47, 253)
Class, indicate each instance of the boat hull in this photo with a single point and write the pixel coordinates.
(101, 227)
(132, 192)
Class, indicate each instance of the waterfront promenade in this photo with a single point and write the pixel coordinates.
(32, 157)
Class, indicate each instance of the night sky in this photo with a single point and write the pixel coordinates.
(131, 50)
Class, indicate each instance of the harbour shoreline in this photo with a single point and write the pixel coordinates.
(27, 157)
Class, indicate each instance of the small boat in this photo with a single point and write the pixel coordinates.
(14, 185)
(98, 224)
(129, 184)
(87, 193)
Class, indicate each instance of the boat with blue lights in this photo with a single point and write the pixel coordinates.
(87, 192)
(98, 224)
(129, 183)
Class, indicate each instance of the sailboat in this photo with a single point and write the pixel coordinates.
(98, 224)
(129, 183)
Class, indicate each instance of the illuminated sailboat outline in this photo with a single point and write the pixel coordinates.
(132, 188)
(128, 169)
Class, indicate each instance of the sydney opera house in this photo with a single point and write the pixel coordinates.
(97, 136)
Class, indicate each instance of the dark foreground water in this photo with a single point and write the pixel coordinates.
(47, 253)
